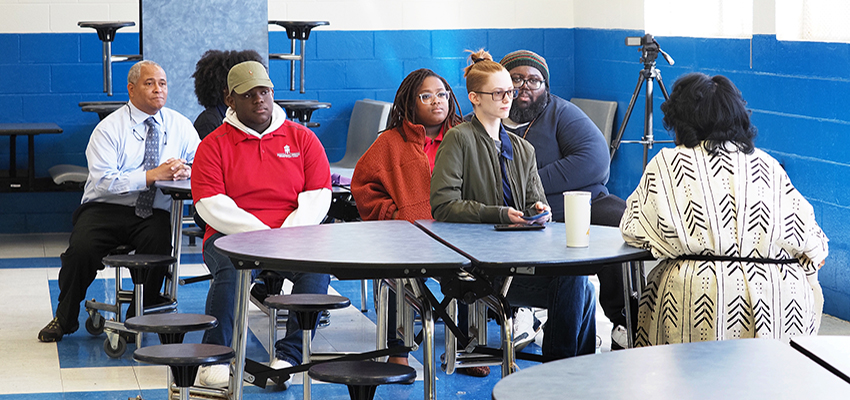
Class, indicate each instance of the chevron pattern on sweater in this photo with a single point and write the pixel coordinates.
(739, 313)
(683, 167)
(793, 317)
(721, 161)
(759, 217)
(760, 171)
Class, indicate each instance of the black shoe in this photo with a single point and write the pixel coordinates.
(259, 293)
(54, 331)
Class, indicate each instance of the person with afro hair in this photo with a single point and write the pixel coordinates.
(211, 85)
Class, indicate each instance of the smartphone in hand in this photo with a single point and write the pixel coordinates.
(535, 217)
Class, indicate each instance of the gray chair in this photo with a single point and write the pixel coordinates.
(67, 173)
(601, 113)
(367, 119)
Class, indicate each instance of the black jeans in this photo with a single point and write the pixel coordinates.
(99, 228)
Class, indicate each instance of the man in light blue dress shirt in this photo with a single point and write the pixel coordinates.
(115, 209)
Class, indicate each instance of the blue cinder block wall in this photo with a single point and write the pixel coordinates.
(796, 91)
(346, 66)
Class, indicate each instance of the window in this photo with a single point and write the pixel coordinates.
(699, 18)
(813, 20)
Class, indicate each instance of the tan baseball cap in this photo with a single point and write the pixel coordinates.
(246, 76)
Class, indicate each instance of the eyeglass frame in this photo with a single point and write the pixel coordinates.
(436, 96)
(524, 82)
(514, 93)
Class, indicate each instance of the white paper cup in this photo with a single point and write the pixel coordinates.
(577, 218)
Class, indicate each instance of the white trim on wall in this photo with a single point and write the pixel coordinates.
(61, 16)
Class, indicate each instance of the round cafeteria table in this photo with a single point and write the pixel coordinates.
(753, 369)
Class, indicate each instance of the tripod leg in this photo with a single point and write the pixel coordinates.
(661, 85)
(615, 143)
(648, 137)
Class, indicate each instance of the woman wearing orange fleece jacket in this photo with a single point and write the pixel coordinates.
(392, 180)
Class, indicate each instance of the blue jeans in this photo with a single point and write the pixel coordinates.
(221, 303)
(571, 328)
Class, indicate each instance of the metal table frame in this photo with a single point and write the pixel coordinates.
(354, 250)
(549, 256)
(381, 249)
(179, 191)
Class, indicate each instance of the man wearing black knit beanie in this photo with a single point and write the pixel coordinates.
(572, 154)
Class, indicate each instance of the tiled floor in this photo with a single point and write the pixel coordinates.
(77, 368)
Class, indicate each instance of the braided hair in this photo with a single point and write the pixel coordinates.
(211, 73)
(404, 105)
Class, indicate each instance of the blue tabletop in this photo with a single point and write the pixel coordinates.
(352, 250)
(753, 369)
(540, 252)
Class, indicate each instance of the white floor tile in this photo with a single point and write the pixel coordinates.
(151, 376)
(21, 246)
(99, 379)
(833, 326)
(55, 243)
(29, 366)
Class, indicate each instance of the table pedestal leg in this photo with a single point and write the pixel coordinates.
(381, 310)
(30, 162)
(240, 333)
(632, 288)
(429, 363)
(499, 304)
(13, 159)
(176, 243)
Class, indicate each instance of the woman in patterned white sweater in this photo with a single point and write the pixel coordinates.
(740, 246)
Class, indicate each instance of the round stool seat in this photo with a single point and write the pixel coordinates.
(183, 354)
(362, 377)
(184, 358)
(171, 327)
(299, 29)
(301, 110)
(307, 302)
(105, 29)
(362, 373)
(138, 264)
(138, 260)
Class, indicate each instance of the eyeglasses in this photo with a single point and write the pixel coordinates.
(428, 98)
(499, 95)
(532, 83)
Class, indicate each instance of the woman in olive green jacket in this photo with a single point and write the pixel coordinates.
(485, 174)
(482, 173)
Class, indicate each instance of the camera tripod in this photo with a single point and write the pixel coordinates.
(649, 53)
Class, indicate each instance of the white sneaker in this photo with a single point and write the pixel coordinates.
(523, 327)
(280, 364)
(619, 338)
(215, 376)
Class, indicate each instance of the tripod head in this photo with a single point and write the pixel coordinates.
(649, 49)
